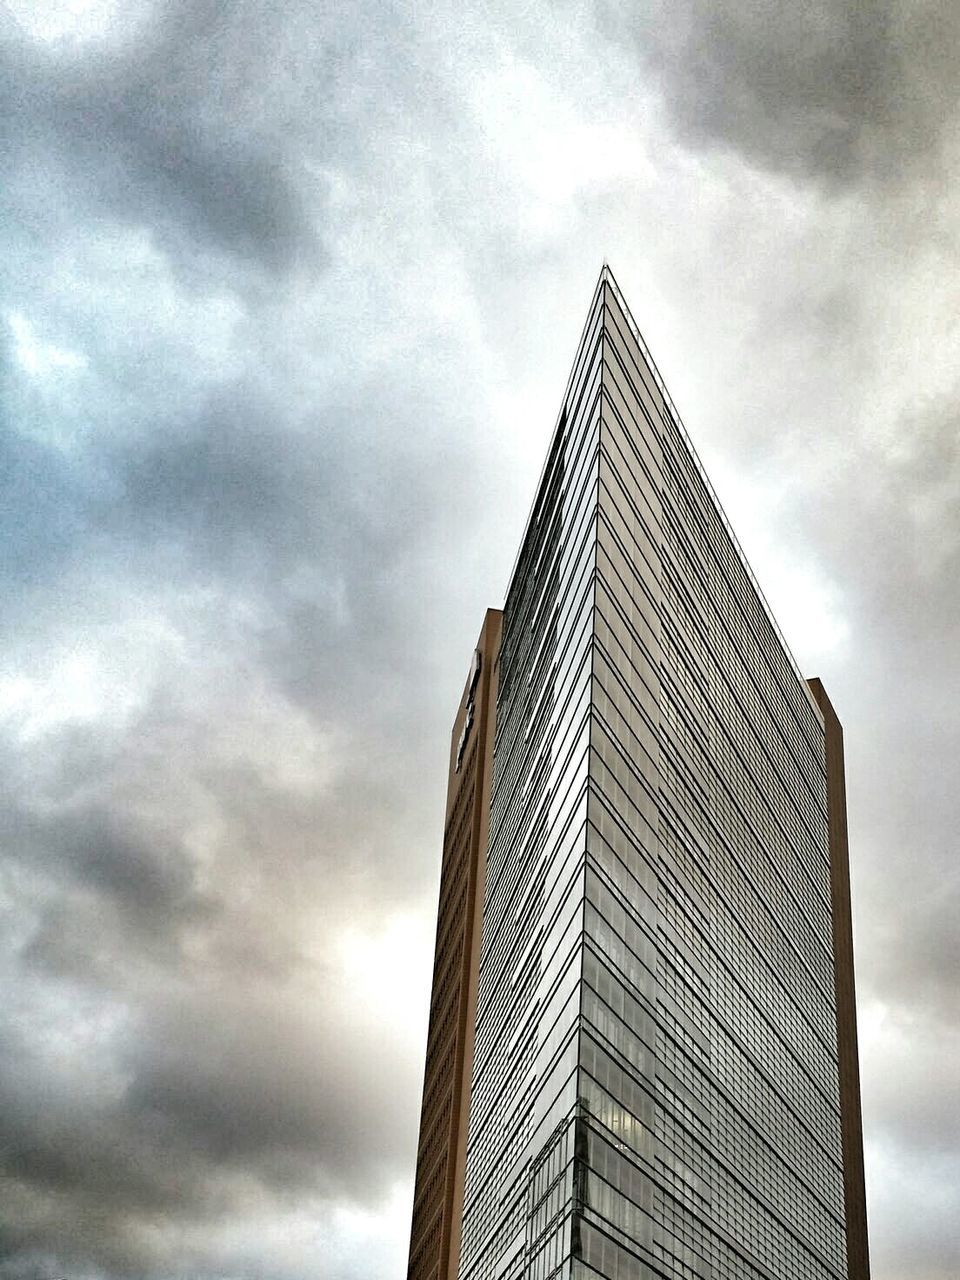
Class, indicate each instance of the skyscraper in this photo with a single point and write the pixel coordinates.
(664, 1078)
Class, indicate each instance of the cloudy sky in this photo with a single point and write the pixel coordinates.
(289, 295)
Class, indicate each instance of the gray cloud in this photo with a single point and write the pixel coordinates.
(219, 1096)
(216, 786)
(842, 93)
(210, 1078)
(288, 310)
(138, 134)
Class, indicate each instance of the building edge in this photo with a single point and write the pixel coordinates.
(437, 1219)
(489, 647)
(851, 1124)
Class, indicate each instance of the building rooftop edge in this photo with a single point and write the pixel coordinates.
(607, 276)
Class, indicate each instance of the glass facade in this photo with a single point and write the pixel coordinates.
(655, 1082)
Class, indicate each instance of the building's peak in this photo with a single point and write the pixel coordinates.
(607, 278)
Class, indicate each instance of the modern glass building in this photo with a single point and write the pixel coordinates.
(664, 1078)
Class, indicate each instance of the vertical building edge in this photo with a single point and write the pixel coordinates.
(488, 647)
(855, 1203)
(441, 1156)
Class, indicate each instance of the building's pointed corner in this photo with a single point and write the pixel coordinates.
(607, 277)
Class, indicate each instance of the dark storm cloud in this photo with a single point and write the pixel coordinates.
(215, 1085)
(219, 1094)
(143, 872)
(156, 133)
(227, 484)
(835, 91)
(229, 1069)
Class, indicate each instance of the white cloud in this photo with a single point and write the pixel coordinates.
(73, 22)
(38, 358)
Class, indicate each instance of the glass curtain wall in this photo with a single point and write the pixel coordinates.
(522, 1142)
(655, 1081)
(708, 1083)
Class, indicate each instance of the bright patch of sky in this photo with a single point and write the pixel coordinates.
(74, 22)
(36, 357)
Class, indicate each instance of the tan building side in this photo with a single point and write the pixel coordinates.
(444, 1116)
(851, 1126)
